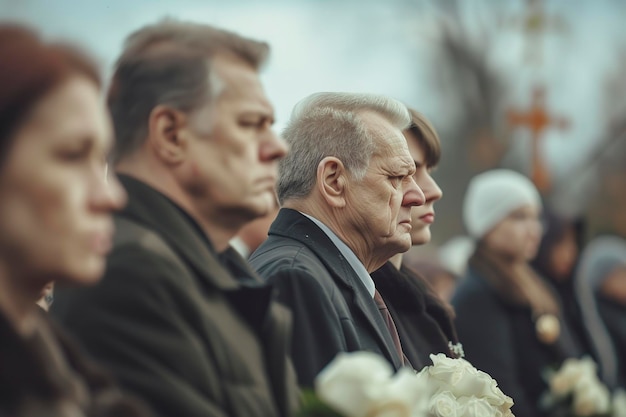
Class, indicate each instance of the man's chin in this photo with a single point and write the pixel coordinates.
(404, 244)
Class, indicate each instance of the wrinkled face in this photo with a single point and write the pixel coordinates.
(518, 235)
(422, 216)
(55, 198)
(380, 204)
(234, 155)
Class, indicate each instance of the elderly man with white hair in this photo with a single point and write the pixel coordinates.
(346, 191)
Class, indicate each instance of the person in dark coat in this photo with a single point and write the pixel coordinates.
(180, 318)
(556, 262)
(346, 189)
(54, 132)
(601, 289)
(424, 321)
(508, 320)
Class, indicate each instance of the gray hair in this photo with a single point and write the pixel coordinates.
(331, 124)
(168, 63)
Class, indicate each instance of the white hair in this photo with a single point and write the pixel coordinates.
(331, 124)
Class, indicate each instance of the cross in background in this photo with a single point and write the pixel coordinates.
(537, 120)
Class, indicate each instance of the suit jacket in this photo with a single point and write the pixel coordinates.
(500, 338)
(424, 324)
(176, 326)
(332, 309)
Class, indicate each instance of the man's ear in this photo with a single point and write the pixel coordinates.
(166, 135)
(332, 180)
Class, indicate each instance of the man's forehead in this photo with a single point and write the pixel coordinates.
(394, 157)
(238, 82)
(391, 142)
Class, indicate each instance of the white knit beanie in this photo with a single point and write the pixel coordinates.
(493, 195)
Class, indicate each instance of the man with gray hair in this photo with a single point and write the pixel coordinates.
(180, 318)
(346, 189)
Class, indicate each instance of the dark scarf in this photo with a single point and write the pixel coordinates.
(516, 283)
(519, 286)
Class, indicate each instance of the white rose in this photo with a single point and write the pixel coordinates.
(591, 397)
(508, 413)
(476, 407)
(448, 372)
(487, 388)
(362, 384)
(407, 388)
(573, 370)
(443, 404)
(351, 383)
(462, 379)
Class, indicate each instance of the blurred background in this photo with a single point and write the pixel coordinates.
(536, 86)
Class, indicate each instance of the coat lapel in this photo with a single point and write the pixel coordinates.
(292, 224)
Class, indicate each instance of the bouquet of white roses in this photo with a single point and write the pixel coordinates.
(456, 388)
(363, 384)
(575, 390)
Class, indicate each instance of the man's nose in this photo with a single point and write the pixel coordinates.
(413, 195)
(274, 147)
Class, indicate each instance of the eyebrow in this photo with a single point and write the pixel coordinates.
(406, 166)
(260, 113)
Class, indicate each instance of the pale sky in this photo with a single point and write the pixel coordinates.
(381, 47)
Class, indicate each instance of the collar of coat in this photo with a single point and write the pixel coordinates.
(157, 213)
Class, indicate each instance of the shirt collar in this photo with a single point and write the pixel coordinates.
(348, 254)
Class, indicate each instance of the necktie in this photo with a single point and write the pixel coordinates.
(384, 311)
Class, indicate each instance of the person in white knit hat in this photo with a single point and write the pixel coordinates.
(508, 320)
(493, 195)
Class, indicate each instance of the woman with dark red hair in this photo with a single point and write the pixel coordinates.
(55, 223)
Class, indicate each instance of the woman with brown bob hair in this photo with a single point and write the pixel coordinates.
(55, 223)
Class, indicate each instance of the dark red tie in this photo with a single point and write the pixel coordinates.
(384, 311)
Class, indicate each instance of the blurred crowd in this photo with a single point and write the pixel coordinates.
(164, 252)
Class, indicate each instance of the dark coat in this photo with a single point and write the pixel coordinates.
(40, 376)
(572, 314)
(176, 326)
(424, 324)
(500, 338)
(332, 309)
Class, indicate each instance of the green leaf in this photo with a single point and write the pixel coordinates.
(312, 406)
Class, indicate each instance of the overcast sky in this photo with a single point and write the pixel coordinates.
(381, 47)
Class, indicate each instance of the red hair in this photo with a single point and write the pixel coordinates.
(30, 68)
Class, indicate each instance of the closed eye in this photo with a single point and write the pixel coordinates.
(249, 123)
(257, 123)
(76, 153)
(396, 180)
